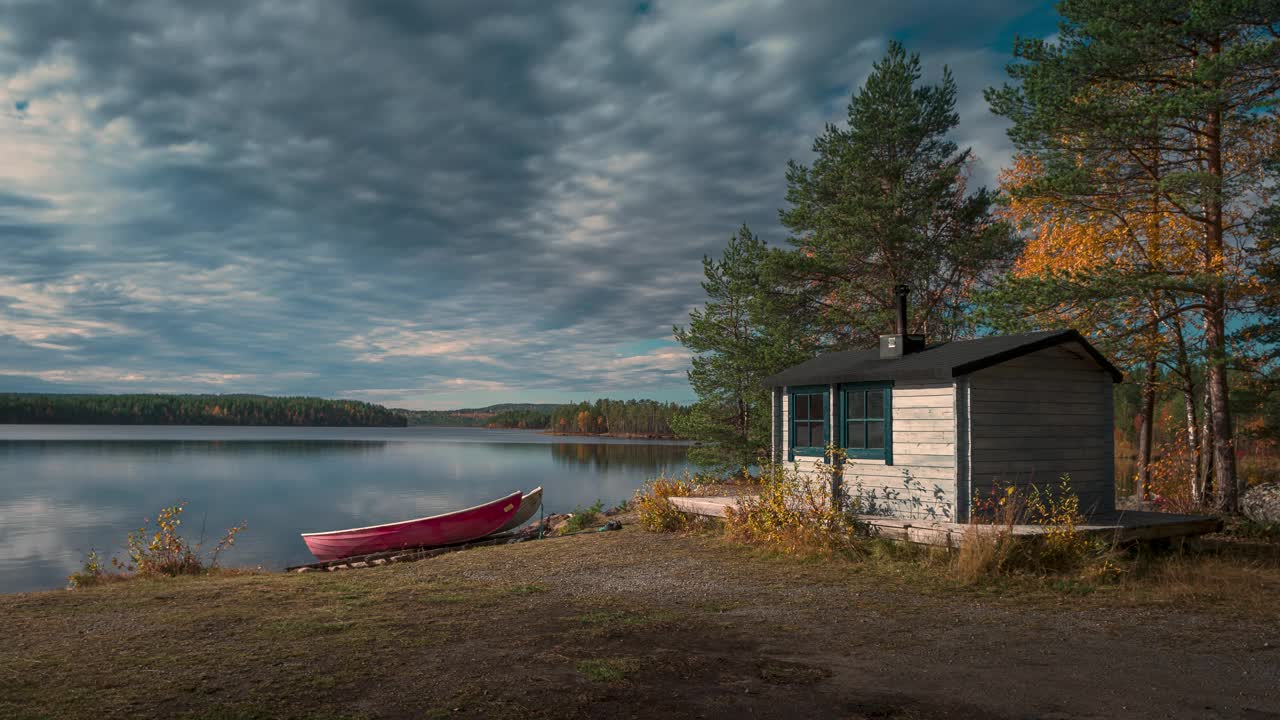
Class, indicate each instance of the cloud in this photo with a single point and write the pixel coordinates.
(438, 202)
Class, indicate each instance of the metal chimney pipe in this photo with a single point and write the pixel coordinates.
(902, 291)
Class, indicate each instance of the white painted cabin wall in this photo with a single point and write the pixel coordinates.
(921, 482)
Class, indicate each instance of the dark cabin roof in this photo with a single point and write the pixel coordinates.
(937, 362)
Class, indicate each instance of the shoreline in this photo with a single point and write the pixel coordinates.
(625, 436)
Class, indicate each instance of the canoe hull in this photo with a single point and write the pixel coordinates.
(529, 505)
(447, 529)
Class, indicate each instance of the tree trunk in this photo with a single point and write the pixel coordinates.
(1205, 474)
(1193, 439)
(1192, 414)
(1146, 424)
(1219, 411)
(1215, 336)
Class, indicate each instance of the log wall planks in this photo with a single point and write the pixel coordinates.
(1037, 417)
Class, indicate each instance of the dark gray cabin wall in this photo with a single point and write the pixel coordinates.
(1036, 417)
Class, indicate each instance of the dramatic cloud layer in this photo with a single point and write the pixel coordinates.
(422, 204)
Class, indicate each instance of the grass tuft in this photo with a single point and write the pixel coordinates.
(584, 518)
(609, 670)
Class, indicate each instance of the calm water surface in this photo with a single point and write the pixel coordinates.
(65, 489)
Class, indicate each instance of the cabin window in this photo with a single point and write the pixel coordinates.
(865, 421)
(809, 432)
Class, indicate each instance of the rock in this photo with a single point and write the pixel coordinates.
(557, 522)
(1261, 503)
(338, 567)
(360, 564)
(380, 561)
(611, 525)
(302, 570)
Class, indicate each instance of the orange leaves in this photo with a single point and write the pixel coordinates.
(1128, 230)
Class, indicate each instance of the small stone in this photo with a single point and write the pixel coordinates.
(360, 565)
(400, 558)
(380, 561)
(304, 569)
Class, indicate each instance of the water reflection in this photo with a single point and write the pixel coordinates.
(65, 490)
(178, 447)
(652, 458)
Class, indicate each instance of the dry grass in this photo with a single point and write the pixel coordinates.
(792, 513)
(636, 623)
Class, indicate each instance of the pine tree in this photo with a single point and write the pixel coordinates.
(1167, 99)
(737, 341)
(886, 203)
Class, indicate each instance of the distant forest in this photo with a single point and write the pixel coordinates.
(193, 410)
(603, 417)
(612, 417)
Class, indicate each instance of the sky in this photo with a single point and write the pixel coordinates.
(424, 205)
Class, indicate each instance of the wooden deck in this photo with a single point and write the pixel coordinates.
(1122, 526)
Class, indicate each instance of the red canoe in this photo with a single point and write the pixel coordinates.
(454, 527)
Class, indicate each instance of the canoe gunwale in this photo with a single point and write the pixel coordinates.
(517, 495)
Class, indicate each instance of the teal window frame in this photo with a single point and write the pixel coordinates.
(807, 391)
(885, 453)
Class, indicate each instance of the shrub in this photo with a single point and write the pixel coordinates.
(990, 548)
(794, 513)
(93, 572)
(583, 518)
(160, 552)
(655, 511)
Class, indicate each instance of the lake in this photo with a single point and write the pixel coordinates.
(65, 489)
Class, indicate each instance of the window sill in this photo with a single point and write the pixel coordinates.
(866, 460)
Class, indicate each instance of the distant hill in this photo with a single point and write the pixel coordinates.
(471, 417)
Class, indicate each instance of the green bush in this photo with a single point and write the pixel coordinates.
(583, 518)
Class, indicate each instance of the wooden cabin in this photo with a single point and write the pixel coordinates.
(929, 429)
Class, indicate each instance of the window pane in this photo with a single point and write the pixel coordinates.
(815, 407)
(853, 404)
(875, 434)
(855, 434)
(801, 408)
(802, 435)
(875, 404)
(816, 436)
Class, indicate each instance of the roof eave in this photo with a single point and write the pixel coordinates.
(1062, 338)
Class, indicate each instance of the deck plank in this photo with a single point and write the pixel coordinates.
(1123, 526)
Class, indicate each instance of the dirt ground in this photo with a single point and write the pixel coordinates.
(632, 624)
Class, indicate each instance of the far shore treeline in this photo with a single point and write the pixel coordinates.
(640, 418)
(193, 410)
(636, 418)
(646, 418)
